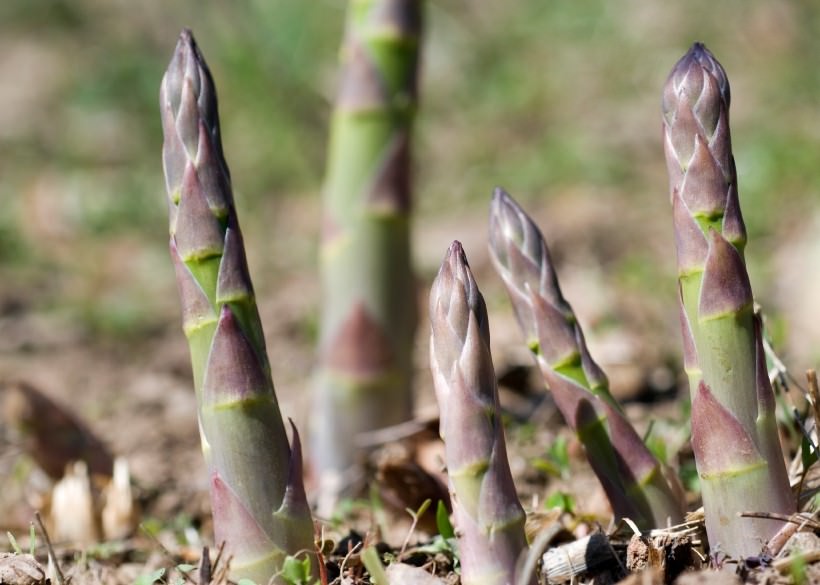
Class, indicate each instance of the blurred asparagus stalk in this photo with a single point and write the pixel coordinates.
(734, 431)
(368, 315)
(257, 496)
(637, 485)
(488, 516)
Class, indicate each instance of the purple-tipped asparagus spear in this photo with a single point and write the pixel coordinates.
(637, 485)
(257, 496)
(488, 516)
(734, 431)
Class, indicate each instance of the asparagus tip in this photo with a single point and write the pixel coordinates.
(500, 195)
(700, 57)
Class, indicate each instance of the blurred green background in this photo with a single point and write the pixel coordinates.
(556, 101)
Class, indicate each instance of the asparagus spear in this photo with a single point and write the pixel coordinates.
(258, 500)
(368, 315)
(734, 431)
(486, 510)
(637, 485)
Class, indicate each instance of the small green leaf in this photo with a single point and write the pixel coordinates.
(688, 474)
(525, 431)
(561, 500)
(556, 461)
(445, 527)
(373, 564)
(798, 570)
(13, 542)
(185, 568)
(559, 452)
(545, 466)
(296, 571)
(151, 526)
(425, 505)
(686, 408)
(150, 578)
(657, 446)
(439, 544)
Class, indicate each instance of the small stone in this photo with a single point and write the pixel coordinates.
(708, 577)
(403, 574)
(20, 570)
(800, 543)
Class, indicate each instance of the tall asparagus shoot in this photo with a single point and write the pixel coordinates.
(259, 506)
(368, 315)
(734, 431)
(637, 485)
(486, 510)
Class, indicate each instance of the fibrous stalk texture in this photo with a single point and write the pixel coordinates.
(734, 431)
(488, 515)
(637, 484)
(368, 313)
(258, 499)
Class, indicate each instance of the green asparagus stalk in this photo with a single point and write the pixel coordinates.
(259, 506)
(368, 315)
(486, 510)
(734, 431)
(637, 485)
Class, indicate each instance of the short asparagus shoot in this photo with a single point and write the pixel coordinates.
(488, 516)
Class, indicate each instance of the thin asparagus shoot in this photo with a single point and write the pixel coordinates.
(734, 430)
(488, 515)
(368, 313)
(637, 484)
(259, 506)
